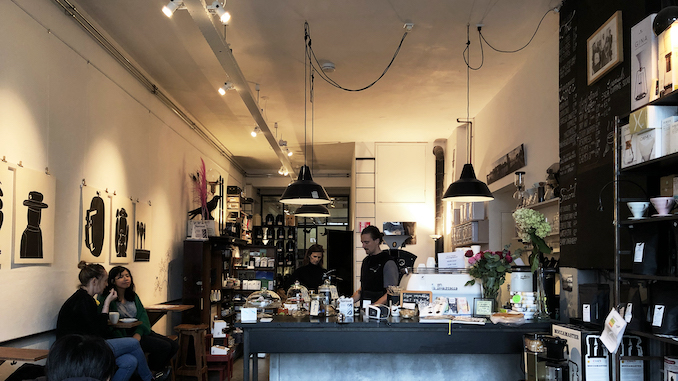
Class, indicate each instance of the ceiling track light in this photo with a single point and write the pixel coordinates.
(283, 171)
(172, 7)
(255, 131)
(219, 10)
(227, 86)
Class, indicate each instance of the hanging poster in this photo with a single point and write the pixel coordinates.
(94, 239)
(35, 216)
(122, 215)
(6, 206)
(142, 232)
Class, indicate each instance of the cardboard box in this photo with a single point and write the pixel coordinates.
(644, 87)
(667, 52)
(631, 370)
(589, 358)
(650, 117)
(666, 186)
(649, 145)
(667, 125)
(628, 143)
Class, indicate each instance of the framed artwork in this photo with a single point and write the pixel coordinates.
(122, 223)
(34, 207)
(509, 163)
(142, 232)
(6, 206)
(604, 48)
(95, 224)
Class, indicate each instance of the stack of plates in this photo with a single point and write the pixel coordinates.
(524, 302)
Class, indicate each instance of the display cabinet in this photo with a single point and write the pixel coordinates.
(642, 279)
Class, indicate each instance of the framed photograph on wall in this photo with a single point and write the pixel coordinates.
(604, 48)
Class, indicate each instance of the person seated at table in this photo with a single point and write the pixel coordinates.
(77, 357)
(310, 274)
(79, 315)
(160, 348)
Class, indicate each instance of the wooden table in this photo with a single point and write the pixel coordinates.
(120, 324)
(157, 311)
(21, 354)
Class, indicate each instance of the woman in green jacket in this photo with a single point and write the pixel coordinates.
(160, 348)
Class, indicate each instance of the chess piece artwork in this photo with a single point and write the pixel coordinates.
(94, 226)
(121, 233)
(31, 239)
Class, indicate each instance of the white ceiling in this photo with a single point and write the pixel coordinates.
(419, 99)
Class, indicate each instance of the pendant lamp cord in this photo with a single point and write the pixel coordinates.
(312, 96)
(305, 99)
(469, 125)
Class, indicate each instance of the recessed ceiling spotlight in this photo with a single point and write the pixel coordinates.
(256, 131)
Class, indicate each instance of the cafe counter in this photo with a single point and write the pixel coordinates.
(396, 348)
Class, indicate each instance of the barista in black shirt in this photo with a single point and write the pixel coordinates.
(310, 274)
(378, 270)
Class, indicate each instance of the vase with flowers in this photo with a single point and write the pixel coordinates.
(490, 268)
(532, 229)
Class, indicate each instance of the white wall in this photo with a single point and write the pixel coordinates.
(65, 104)
(525, 112)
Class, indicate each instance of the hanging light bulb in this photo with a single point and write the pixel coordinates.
(171, 7)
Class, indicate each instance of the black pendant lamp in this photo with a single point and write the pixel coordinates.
(305, 191)
(312, 211)
(468, 188)
(666, 16)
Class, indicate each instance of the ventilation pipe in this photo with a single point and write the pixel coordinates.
(439, 153)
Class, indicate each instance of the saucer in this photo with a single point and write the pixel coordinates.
(662, 215)
(128, 320)
(637, 218)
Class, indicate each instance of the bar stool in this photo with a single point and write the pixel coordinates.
(184, 368)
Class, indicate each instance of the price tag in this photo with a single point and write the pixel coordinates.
(315, 308)
(586, 312)
(334, 294)
(638, 253)
(628, 312)
(658, 316)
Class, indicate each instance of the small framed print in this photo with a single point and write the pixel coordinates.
(483, 307)
(604, 48)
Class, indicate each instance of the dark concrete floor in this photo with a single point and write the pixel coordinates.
(237, 370)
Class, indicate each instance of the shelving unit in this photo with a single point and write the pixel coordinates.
(471, 225)
(647, 174)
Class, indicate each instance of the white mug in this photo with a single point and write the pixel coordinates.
(114, 317)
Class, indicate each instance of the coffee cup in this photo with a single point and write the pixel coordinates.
(663, 205)
(114, 317)
(638, 208)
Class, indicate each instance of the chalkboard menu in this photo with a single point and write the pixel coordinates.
(586, 130)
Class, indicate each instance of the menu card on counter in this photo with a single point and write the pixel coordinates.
(453, 260)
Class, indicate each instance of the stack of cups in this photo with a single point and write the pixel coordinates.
(525, 303)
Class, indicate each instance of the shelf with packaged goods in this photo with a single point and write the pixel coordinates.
(667, 340)
(544, 204)
(662, 278)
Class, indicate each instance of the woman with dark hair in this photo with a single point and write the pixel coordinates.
(79, 315)
(378, 271)
(77, 357)
(160, 348)
(310, 274)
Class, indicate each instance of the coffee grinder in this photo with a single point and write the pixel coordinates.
(555, 358)
(533, 345)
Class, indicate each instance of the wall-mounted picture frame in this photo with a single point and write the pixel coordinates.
(604, 48)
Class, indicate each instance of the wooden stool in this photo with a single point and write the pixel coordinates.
(186, 332)
(220, 363)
